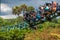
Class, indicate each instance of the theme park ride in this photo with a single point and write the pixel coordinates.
(46, 12)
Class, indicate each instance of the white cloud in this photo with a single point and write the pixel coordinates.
(10, 16)
(5, 8)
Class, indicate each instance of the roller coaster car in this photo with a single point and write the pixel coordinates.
(32, 17)
(47, 13)
(58, 11)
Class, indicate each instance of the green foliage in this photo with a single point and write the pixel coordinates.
(58, 21)
(16, 10)
(2, 22)
(30, 8)
(19, 19)
(23, 7)
(14, 34)
(47, 25)
(19, 34)
(9, 22)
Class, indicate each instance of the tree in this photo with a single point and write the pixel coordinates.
(24, 7)
(16, 10)
(2, 22)
(30, 8)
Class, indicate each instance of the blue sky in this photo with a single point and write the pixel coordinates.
(6, 5)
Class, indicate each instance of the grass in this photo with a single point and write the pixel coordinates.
(47, 34)
(45, 31)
